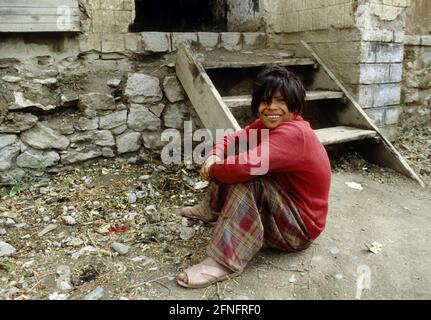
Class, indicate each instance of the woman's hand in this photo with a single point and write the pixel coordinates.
(205, 170)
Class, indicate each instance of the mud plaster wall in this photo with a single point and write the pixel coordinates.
(361, 41)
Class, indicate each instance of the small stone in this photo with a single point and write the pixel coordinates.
(85, 250)
(113, 83)
(58, 296)
(43, 190)
(132, 198)
(186, 233)
(9, 222)
(69, 220)
(64, 276)
(141, 194)
(120, 248)
(47, 229)
(334, 250)
(338, 276)
(2, 232)
(184, 222)
(144, 177)
(46, 219)
(96, 294)
(6, 250)
(11, 79)
(292, 279)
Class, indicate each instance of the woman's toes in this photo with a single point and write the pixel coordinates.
(183, 277)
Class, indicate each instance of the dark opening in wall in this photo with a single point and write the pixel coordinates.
(180, 15)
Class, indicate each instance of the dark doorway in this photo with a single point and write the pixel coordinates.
(180, 15)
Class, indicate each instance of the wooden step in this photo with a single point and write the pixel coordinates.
(220, 59)
(341, 134)
(245, 100)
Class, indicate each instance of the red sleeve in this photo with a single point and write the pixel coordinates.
(221, 147)
(281, 151)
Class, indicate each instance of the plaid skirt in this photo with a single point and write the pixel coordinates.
(251, 215)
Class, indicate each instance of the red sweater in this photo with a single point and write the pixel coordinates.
(297, 161)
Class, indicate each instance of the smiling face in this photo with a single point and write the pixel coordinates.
(274, 112)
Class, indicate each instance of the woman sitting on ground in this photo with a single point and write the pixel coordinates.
(285, 208)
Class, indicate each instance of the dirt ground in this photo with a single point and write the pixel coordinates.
(92, 207)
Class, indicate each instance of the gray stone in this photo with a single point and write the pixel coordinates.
(36, 159)
(173, 89)
(11, 79)
(108, 152)
(155, 42)
(96, 294)
(157, 109)
(208, 40)
(43, 137)
(47, 229)
(8, 155)
(23, 103)
(3, 232)
(17, 122)
(113, 83)
(174, 115)
(69, 220)
(113, 120)
(186, 233)
(102, 138)
(84, 124)
(120, 248)
(11, 176)
(140, 119)
(119, 130)
(69, 99)
(231, 41)
(7, 139)
(182, 37)
(63, 125)
(92, 103)
(49, 81)
(81, 154)
(153, 140)
(6, 250)
(132, 198)
(254, 40)
(64, 278)
(141, 88)
(129, 141)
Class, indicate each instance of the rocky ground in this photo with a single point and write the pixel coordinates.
(111, 230)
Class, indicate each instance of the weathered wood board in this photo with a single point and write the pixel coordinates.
(39, 16)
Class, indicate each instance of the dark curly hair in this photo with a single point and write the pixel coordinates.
(275, 78)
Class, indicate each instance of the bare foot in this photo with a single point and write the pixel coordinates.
(204, 274)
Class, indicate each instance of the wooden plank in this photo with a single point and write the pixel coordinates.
(245, 100)
(383, 153)
(342, 134)
(52, 27)
(12, 11)
(206, 100)
(219, 64)
(38, 3)
(34, 19)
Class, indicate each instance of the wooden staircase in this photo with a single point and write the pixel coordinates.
(331, 110)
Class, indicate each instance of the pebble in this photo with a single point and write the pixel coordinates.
(87, 249)
(20, 225)
(113, 83)
(9, 222)
(6, 250)
(120, 248)
(133, 160)
(2, 232)
(64, 277)
(292, 279)
(141, 194)
(184, 222)
(69, 220)
(46, 219)
(132, 198)
(11, 79)
(47, 229)
(58, 296)
(338, 276)
(186, 233)
(334, 250)
(43, 190)
(96, 294)
(144, 177)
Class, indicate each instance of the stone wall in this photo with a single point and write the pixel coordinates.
(65, 99)
(417, 71)
(418, 20)
(361, 41)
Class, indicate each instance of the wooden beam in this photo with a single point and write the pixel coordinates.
(383, 153)
(245, 100)
(342, 134)
(205, 98)
(248, 62)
